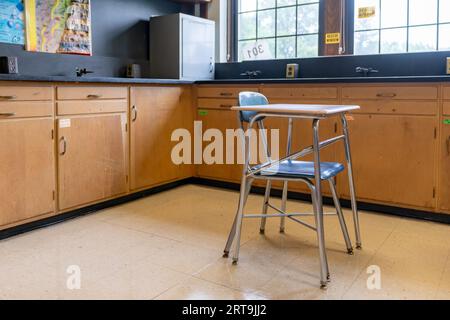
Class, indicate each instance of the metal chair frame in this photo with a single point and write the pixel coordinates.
(249, 174)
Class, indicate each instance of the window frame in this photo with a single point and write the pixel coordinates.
(235, 30)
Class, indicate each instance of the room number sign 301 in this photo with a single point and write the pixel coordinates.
(256, 51)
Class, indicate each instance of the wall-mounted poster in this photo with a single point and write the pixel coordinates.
(11, 21)
(58, 26)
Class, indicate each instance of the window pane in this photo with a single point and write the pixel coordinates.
(247, 5)
(266, 23)
(286, 21)
(370, 22)
(444, 11)
(265, 4)
(394, 13)
(307, 1)
(422, 38)
(422, 12)
(247, 25)
(308, 46)
(366, 42)
(393, 40)
(286, 47)
(444, 37)
(241, 45)
(282, 3)
(308, 19)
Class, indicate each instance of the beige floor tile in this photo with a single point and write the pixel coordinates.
(197, 289)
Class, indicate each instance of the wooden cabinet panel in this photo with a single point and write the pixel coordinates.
(446, 92)
(222, 91)
(27, 169)
(302, 92)
(9, 110)
(391, 92)
(88, 107)
(156, 113)
(26, 93)
(91, 92)
(446, 108)
(393, 159)
(395, 107)
(444, 176)
(216, 103)
(92, 159)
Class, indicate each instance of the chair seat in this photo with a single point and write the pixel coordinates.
(303, 169)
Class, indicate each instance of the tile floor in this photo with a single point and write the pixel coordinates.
(168, 246)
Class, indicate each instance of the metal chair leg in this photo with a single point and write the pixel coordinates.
(348, 156)
(324, 271)
(341, 217)
(283, 206)
(245, 187)
(262, 228)
(232, 234)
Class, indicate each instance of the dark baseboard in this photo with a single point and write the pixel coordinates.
(390, 210)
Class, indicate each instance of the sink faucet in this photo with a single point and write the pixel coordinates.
(81, 72)
(251, 74)
(365, 71)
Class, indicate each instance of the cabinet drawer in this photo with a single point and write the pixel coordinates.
(300, 92)
(88, 107)
(12, 93)
(10, 110)
(446, 93)
(390, 92)
(216, 103)
(222, 92)
(395, 107)
(446, 110)
(91, 93)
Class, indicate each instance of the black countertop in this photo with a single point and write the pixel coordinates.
(88, 79)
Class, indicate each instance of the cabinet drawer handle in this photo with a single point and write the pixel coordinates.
(226, 106)
(448, 146)
(386, 95)
(94, 96)
(7, 97)
(226, 94)
(7, 114)
(62, 146)
(134, 113)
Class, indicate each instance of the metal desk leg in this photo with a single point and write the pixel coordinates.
(283, 206)
(262, 228)
(324, 273)
(351, 182)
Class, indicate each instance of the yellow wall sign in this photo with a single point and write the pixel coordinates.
(366, 12)
(333, 38)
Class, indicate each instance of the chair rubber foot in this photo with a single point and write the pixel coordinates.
(328, 277)
(359, 246)
(262, 231)
(235, 262)
(225, 254)
(282, 231)
(350, 252)
(323, 286)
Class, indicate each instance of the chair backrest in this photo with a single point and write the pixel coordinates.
(250, 99)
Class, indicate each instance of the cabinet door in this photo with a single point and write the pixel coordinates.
(221, 120)
(393, 159)
(156, 113)
(444, 194)
(26, 169)
(92, 159)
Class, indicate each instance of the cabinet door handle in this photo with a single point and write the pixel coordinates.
(94, 96)
(7, 97)
(448, 146)
(7, 114)
(227, 106)
(386, 95)
(62, 146)
(134, 113)
(226, 94)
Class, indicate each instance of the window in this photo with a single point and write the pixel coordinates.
(399, 26)
(288, 28)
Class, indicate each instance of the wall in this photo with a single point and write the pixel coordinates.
(119, 36)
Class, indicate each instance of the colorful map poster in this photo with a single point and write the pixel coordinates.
(58, 26)
(11, 21)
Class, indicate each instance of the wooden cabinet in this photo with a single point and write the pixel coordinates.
(444, 176)
(27, 169)
(92, 157)
(155, 113)
(393, 159)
